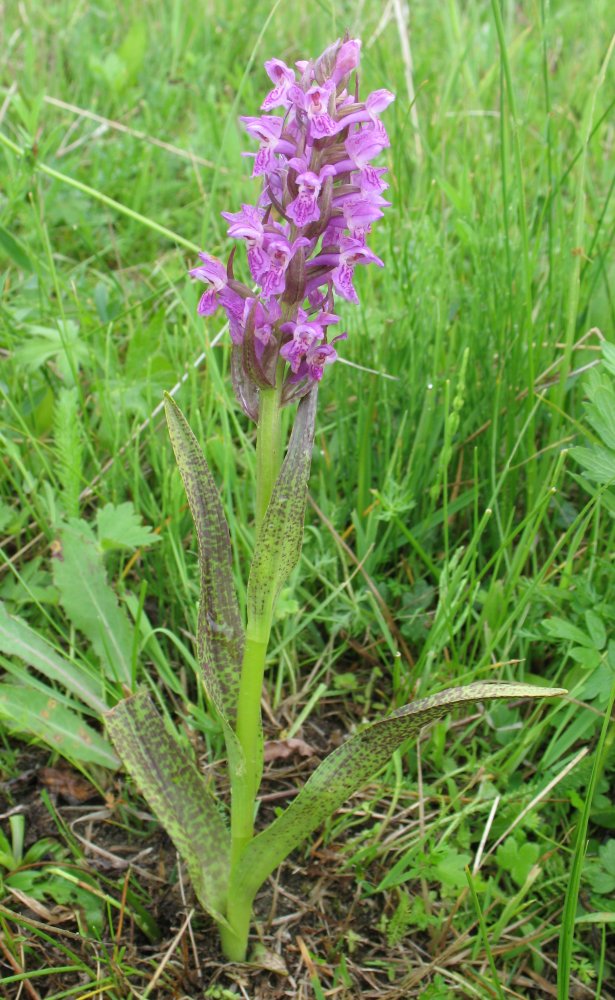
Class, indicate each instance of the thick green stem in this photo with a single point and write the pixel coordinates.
(244, 785)
(249, 734)
(235, 940)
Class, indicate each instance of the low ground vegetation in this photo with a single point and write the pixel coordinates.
(460, 525)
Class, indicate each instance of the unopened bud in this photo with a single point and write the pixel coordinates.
(347, 60)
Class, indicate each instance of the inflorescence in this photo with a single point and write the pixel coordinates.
(308, 231)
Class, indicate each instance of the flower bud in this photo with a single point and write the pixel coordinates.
(347, 59)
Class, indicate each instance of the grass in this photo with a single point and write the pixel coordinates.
(448, 525)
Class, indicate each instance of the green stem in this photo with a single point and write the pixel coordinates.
(235, 939)
(244, 785)
(249, 734)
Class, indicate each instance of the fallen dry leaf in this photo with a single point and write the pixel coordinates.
(70, 785)
(281, 749)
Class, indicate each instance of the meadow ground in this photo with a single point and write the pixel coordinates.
(452, 535)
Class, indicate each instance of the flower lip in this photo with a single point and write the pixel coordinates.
(211, 270)
(283, 77)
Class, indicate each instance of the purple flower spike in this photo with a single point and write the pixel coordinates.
(321, 196)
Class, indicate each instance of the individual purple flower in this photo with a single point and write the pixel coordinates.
(352, 252)
(213, 272)
(318, 356)
(267, 128)
(359, 214)
(370, 180)
(283, 78)
(342, 264)
(276, 258)
(246, 224)
(312, 365)
(220, 295)
(368, 111)
(377, 102)
(304, 208)
(366, 143)
(296, 349)
(305, 334)
(314, 103)
(266, 315)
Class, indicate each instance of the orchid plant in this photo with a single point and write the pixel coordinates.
(320, 196)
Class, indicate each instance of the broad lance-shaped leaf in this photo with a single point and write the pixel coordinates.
(279, 541)
(89, 601)
(220, 638)
(25, 709)
(345, 770)
(177, 795)
(18, 639)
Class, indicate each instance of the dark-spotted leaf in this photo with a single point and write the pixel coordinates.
(220, 632)
(345, 770)
(177, 795)
(28, 710)
(279, 541)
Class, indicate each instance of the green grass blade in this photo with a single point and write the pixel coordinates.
(176, 793)
(484, 934)
(566, 939)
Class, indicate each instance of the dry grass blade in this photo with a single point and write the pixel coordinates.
(110, 123)
(538, 798)
(167, 956)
